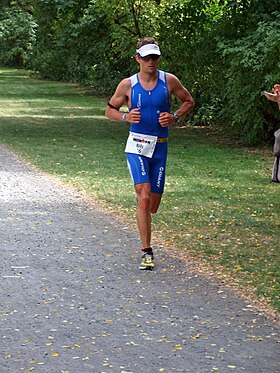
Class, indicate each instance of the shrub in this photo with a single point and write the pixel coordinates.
(17, 35)
(253, 66)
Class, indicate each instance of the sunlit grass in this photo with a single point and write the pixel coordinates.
(219, 205)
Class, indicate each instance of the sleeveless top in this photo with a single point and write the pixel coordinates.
(151, 104)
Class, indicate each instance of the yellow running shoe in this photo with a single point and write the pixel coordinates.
(147, 261)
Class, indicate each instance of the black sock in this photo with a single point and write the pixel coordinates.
(148, 250)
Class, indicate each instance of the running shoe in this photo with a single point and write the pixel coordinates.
(147, 262)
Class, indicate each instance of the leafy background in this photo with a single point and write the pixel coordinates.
(225, 52)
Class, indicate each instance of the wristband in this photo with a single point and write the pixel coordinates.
(124, 117)
(176, 117)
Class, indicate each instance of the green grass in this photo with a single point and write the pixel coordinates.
(219, 206)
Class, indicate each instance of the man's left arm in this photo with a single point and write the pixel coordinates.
(187, 102)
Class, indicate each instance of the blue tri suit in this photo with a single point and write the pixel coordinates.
(151, 103)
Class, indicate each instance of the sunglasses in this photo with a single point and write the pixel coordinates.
(152, 57)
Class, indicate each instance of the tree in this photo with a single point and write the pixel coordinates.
(17, 37)
(253, 66)
(220, 49)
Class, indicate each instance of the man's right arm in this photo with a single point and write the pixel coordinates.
(119, 98)
(116, 101)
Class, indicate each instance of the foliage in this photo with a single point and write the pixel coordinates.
(105, 64)
(74, 45)
(54, 40)
(17, 37)
(189, 50)
(252, 68)
(218, 48)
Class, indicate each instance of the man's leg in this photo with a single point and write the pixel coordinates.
(142, 173)
(148, 204)
(155, 202)
(144, 220)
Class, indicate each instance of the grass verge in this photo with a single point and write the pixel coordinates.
(219, 206)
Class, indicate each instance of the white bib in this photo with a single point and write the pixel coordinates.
(138, 143)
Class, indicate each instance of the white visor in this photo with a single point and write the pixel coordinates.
(147, 49)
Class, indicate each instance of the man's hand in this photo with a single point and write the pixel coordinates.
(134, 116)
(165, 119)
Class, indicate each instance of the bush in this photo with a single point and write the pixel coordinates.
(253, 66)
(17, 35)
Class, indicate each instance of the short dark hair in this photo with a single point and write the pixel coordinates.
(146, 40)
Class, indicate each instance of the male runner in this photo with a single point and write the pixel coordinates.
(148, 97)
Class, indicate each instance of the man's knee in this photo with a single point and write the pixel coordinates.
(144, 200)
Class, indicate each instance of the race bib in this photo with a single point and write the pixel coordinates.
(138, 143)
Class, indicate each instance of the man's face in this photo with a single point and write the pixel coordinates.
(148, 63)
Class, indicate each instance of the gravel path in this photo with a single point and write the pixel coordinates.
(73, 300)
